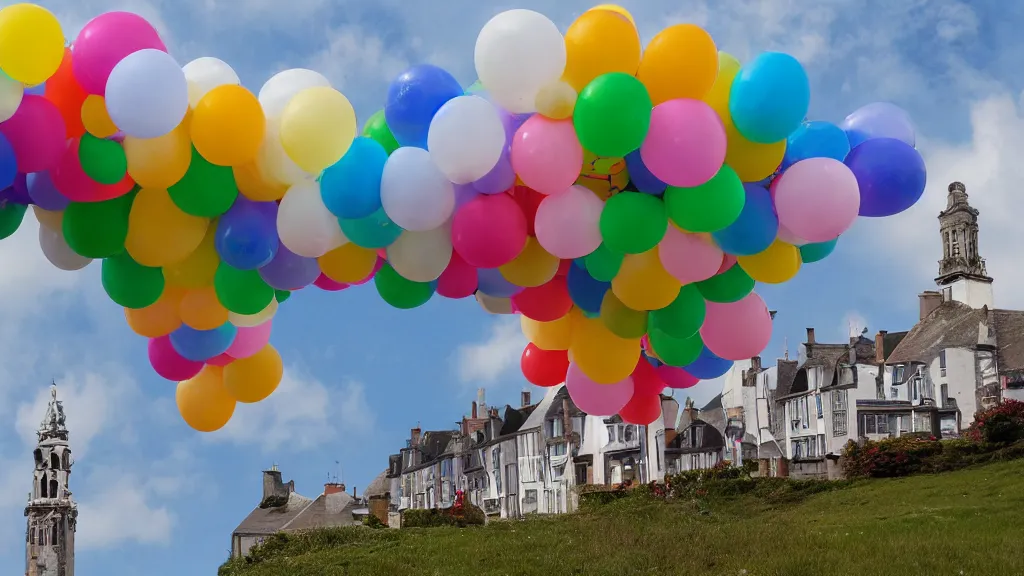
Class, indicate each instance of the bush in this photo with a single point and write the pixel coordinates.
(462, 514)
(889, 458)
(371, 521)
(1003, 424)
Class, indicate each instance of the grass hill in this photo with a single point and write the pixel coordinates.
(961, 523)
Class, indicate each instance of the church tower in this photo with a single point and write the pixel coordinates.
(962, 275)
(51, 512)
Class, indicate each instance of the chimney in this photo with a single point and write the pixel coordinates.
(333, 488)
(481, 401)
(880, 347)
(493, 412)
(525, 398)
(755, 364)
(566, 417)
(272, 484)
(472, 413)
(353, 492)
(690, 410)
(810, 336)
(669, 413)
(414, 437)
(928, 301)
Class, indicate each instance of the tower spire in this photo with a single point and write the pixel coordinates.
(958, 229)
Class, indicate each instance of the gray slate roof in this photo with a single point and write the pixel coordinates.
(379, 486)
(326, 511)
(263, 521)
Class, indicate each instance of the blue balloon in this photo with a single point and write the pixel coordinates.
(755, 229)
(8, 163)
(413, 99)
(891, 175)
(816, 140)
(351, 187)
(374, 231)
(708, 366)
(769, 97)
(492, 283)
(817, 251)
(37, 90)
(200, 345)
(586, 292)
(43, 193)
(246, 235)
(879, 120)
(641, 177)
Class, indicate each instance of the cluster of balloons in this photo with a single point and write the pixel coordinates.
(623, 200)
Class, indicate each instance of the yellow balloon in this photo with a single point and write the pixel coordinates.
(348, 263)
(776, 264)
(31, 43)
(52, 219)
(603, 356)
(554, 335)
(718, 96)
(228, 126)
(250, 320)
(159, 233)
(317, 128)
(95, 117)
(752, 161)
(159, 162)
(533, 267)
(556, 100)
(599, 42)
(255, 378)
(196, 270)
(159, 318)
(200, 309)
(643, 284)
(618, 10)
(255, 186)
(620, 319)
(203, 401)
(681, 61)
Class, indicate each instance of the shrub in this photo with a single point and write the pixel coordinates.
(889, 458)
(1003, 424)
(371, 521)
(462, 514)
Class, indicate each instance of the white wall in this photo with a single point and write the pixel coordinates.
(973, 293)
(961, 376)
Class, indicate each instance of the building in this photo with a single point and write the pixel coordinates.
(695, 444)
(51, 511)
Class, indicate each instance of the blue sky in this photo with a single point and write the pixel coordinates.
(156, 498)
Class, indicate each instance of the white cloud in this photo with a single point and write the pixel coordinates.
(355, 56)
(121, 512)
(852, 326)
(488, 361)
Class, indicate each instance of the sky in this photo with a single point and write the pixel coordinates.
(157, 498)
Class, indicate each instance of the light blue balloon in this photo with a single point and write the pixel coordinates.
(769, 97)
(492, 283)
(201, 345)
(816, 139)
(351, 187)
(818, 251)
(374, 231)
(755, 228)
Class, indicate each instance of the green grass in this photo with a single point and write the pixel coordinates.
(960, 523)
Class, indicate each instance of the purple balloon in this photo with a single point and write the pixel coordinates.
(879, 120)
(43, 193)
(246, 236)
(890, 173)
(464, 193)
(16, 193)
(512, 122)
(289, 271)
(492, 283)
(500, 178)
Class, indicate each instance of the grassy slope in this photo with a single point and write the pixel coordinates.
(966, 522)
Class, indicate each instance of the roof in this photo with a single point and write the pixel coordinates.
(890, 341)
(379, 486)
(271, 520)
(536, 419)
(785, 373)
(824, 356)
(951, 325)
(327, 511)
(1010, 339)
(711, 438)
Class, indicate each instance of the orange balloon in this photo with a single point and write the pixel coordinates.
(599, 42)
(255, 186)
(159, 162)
(159, 318)
(159, 233)
(681, 61)
(200, 309)
(348, 263)
(63, 90)
(95, 117)
(643, 284)
(254, 378)
(203, 401)
(228, 126)
(199, 268)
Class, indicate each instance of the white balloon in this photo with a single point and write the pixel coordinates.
(305, 225)
(274, 162)
(279, 90)
(517, 53)
(413, 192)
(421, 256)
(58, 252)
(147, 94)
(11, 92)
(205, 74)
(250, 320)
(466, 138)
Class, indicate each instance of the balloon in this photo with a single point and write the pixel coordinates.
(567, 223)
(249, 320)
(37, 134)
(555, 335)
(675, 377)
(544, 367)
(203, 401)
(400, 292)
(376, 128)
(817, 199)
(890, 174)
(350, 188)
(879, 120)
(255, 377)
(102, 160)
(220, 360)
(466, 138)
(718, 96)
(489, 231)
(305, 225)
(205, 74)
(161, 162)
(769, 97)
(105, 41)
(556, 100)
(64, 91)
(646, 380)
(167, 363)
(689, 257)
(51, 219)
(643, 284)
(533, 266)
(11, 93)
(374, 231)
(228, 126)
(545, 303)
(641, 176)
(708, 207)
(147, 94)
(612, 115)
(621, 320)
(273, 163)
(53, 246)
(755, 228)
(201, 309)
(529, 201)
(708, 366)
(277, 92)
(31, 43)
(199, 268)
(587, 293)
(421, 256)
(599, 42)
(753, 162)
(414, 98)
(500, 178)
(737, 330)
(251, 340)
(157, 319)
(95, 119)
(130, 284)
(206, 189)
(348, 263)
(816, 140)
(633, 222)
(818, 251)
(642, 409)
(414, 193)
(777, 264)
(603, 356)
(246, 237)
(159, 233)
(546, 154)
(8, 163)
(517, 53)
(675, 351)
(241, 291)
(686, 145)
(458, 280)
(597, 399)
(684, 316)
(289, 271)
(603, 264)
(255, 185)
(317, 128)
(492, 283)
(72, 181)
(729, 285)
(681, 61)
(97, 229)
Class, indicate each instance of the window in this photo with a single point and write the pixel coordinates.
(53, 534)
(698, 436)
(581, 474)
(806, 412)
(956, 245)
(495, 458)
(54, 461)
(629, 434)
(821, 444)
(557, 428)
(839, 422)
(915, 386)
(32, 536)
(942, 362)
(869, 424)
(944, 391)
(897, 375)
(611, 433)
(894, 392)
(817, 402)
(659, 448)
(558, 449)
(882, 423)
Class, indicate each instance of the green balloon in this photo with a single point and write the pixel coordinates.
(241, 291)
(377, 129)
(11, 217)
(282, 295)
(709, 207)
(98, 229)
(675, 351)
(729, 286)
(622, 320)
(129, 283)
(633, 222)
(401, 292)
(206, 190)
(102, 160)
(603, 264)
(818, 251)
(684, 316)
(612, 115)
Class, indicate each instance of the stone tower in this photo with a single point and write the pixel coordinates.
(52, 513)
(962, 275)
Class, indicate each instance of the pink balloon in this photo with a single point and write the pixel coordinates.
(597, 399)
(676, 378)
(37, 134)
(737, 330)
(546, 154)
(689, 257)
(106, 40)
(250, 340)
(459, 279)
(685, 145)
(728, 261)
(817, 199)
(325, 283)
(489, 231)
(567, 224)
(220, 360)
(168, 363)
(789, 238)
